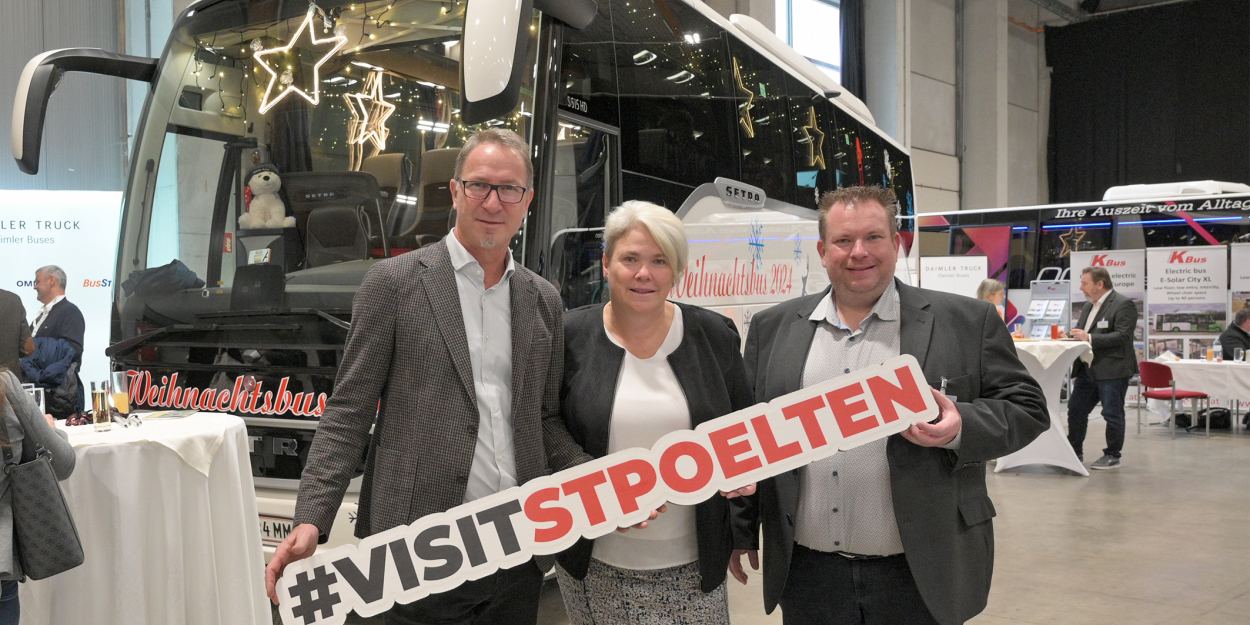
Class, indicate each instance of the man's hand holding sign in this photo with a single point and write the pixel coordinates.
(439, 552)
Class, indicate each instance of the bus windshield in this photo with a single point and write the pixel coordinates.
(313, 137)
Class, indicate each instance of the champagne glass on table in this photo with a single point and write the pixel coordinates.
(119, 397)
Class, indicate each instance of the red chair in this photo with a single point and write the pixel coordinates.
(1156, 378)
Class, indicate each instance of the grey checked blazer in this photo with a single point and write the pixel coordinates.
(407, 347)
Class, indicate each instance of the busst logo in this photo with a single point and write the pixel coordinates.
(1182, 256)
(1101, 260)
(88, 283)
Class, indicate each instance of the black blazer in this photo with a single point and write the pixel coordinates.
(1114, 356)
(1232, 338)
(941, 504)
(708, 366)
(65, 321)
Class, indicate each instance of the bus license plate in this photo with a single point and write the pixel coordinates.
(274, 529)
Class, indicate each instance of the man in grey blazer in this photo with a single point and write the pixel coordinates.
(464, 349)
(899, 530)
(1107, 322)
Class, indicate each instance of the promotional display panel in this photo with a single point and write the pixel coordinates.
(77, 231)
(1187, 298)
(1238, 277)
(439, 552)
(1128, 276)
(960, 275)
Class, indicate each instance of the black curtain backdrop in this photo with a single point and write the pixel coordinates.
(1153, 95)
(852, 30)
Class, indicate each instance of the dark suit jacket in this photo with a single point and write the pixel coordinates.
(940, 501)
(407, 346)
(64, 321)
(708, 367)
(1232, 338)
(1114, 356)
(14, 331)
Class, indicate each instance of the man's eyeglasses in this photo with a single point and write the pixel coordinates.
(478, 190)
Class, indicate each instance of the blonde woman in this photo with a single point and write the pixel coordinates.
(635, 369)
(994, 292)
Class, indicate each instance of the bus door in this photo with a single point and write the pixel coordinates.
(585, 186)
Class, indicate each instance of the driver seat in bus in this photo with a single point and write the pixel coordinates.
(434, 208)
(393, 173)
(329, 207)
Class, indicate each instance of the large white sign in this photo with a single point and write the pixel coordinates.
(961, 275)
(1187, 290)
(547, 515)
(1238, 276)
(77, 231)
(1127, 269)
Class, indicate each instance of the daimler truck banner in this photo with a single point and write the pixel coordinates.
(960, 275)
(1187, 295)
(547, 515)
(76, 231)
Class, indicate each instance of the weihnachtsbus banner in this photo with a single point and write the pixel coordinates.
(439, 552)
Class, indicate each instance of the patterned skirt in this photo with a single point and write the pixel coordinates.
(616, 596)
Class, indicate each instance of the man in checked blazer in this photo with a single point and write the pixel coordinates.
(897, 531)
(465, 350)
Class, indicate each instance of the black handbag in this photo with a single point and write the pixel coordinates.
(44, 536)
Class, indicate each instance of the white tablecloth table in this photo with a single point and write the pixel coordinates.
(1225, 381)
(167, 517)
(1048, 362)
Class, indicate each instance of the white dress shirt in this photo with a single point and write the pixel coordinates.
(42, 316)
(487, 317)
(1093, 311)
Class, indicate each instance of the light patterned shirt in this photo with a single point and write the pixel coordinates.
(845, 501)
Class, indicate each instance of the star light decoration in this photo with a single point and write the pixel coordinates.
(369, 110)
(815, 144)
(1071, 241)
(281, 71)
(744, 109)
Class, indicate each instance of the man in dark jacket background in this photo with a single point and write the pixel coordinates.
(59, 318)
(1237, 334)
(1107, 322)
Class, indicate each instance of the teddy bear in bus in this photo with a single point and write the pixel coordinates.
(265, 208)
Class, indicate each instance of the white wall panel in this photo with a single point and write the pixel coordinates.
(933, 115)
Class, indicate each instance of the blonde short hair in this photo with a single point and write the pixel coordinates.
(660, 223)
(989, 287)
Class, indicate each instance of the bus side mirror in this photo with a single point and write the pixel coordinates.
(40, 78)
(496, 44)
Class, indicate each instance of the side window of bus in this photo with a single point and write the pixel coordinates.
(678, 114)
(1059, 240)
(588, 71)
(763, 127)
(815, 144)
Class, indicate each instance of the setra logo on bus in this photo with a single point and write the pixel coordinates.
(1181, 256)
(1101, 260)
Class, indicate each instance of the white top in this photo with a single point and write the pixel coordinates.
(43, 314)
(487, 315)
(649, 404)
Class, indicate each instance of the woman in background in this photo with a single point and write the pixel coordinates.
(994, 292)
(636, 369)
(17, 407)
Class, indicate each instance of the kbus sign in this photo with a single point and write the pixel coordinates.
(441, 551)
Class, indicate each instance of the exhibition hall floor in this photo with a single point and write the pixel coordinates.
(1163, 539)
